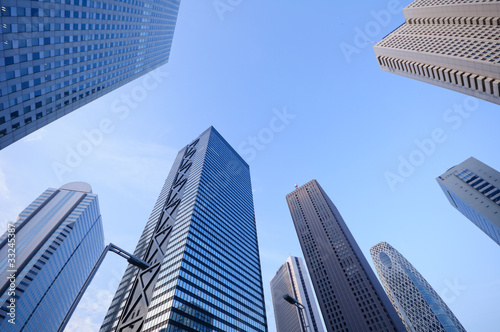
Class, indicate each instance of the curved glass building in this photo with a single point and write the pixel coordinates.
(416, 302)
(58, 239)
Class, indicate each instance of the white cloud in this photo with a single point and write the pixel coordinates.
(82, 324)
(4, 190)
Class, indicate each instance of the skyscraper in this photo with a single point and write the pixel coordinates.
(57, 56)
(201, 243)
(57, 240)
(452, 44)
(292, 279)
(348, 292)
(416, 302)
(473, 188)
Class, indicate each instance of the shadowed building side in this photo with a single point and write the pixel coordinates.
(292, 279)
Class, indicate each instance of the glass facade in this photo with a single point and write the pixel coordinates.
(58, 240)
(210, 276)
(416, 302)
(59, 55)
(473, 188)
(349, 294)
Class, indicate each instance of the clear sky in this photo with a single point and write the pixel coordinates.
(296, 89)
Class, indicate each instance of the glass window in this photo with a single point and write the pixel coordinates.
(6, 28)
(5, 11)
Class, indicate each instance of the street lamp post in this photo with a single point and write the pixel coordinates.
(110, 247)
(288, 298)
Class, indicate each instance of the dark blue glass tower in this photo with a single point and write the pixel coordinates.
(201, 243)
(56, 56)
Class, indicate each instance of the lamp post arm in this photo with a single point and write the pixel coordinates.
(110, 247)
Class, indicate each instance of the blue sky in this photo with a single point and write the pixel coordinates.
(297, 91)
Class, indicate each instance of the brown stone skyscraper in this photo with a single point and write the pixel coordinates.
(349, 294)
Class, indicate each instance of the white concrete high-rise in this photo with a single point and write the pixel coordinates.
(417, 303)
(473, 188)
(452, 44)
(292, 279)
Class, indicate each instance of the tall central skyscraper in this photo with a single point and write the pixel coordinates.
(452, 44)
(57, 56)
(201, 243)
(348, 292)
